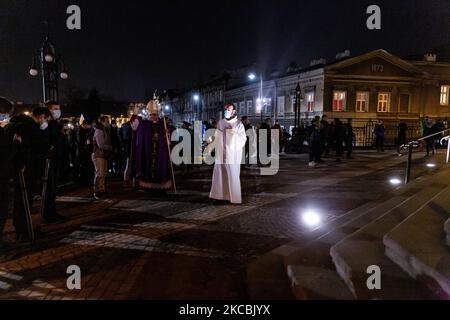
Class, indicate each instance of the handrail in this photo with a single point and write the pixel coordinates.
(432, 135)
(415, 144)
(448, 147)
(444, 138)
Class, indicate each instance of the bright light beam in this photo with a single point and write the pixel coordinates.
(395, 181)
(311, 218)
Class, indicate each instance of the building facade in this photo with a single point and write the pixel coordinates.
(367, 88)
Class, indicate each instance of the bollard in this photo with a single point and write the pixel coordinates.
(409, 164)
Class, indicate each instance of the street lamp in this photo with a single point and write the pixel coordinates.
(298, 101)
(49, 57)
(259, 101)
(51, 68)
(196, 98)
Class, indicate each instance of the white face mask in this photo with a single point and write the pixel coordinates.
(228, 114)
(44, 125)
(56, 114)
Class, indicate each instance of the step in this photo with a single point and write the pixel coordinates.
(317, 251)
(358, 222)
(315, 283)
(447, 231)
(355, 218)
(354, 254)
(317, 254)
(261, 282)
(418, 245)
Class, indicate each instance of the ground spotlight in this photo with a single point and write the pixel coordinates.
(395, 181)
(311, 218)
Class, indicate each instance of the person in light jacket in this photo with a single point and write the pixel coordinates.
(100, 155)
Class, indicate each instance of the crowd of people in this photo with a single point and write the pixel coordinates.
(321, 137)
(41, 151)
(32, 149)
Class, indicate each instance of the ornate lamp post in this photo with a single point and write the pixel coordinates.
(298, 101)
(51, 68)
(198, 109)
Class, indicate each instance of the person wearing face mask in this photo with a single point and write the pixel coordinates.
(230, 139)
(28, 135)
(56, 154)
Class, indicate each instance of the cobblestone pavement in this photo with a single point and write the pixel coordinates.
(136, 246)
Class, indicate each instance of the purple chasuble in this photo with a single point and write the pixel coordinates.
(152, 155)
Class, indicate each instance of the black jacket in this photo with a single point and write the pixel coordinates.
(8, 150)
(32, 151)
(57, 144)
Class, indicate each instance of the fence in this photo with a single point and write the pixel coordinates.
(364, 136)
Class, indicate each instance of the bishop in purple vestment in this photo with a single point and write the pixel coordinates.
(152, 159)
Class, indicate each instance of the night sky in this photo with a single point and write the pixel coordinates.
(127, 46)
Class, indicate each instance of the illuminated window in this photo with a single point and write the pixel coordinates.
(445, 90)
(249, 107)
(258, 106)
(339, 101)
(384, 100)
(267, 103)
(292, 104)
(362, 101)
(310, 101)
(281, 105)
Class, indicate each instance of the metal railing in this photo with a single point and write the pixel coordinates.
(447, 138)
(364, 135)
(416, 144)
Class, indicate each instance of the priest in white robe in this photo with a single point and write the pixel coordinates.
(230, 139)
